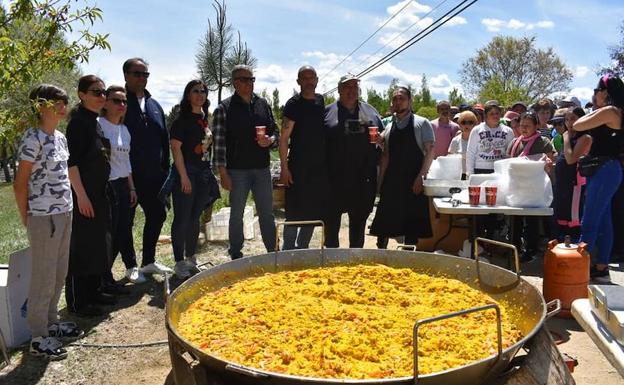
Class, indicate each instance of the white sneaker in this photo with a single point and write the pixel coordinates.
(155, 268)
(182, 270)
(134, 275)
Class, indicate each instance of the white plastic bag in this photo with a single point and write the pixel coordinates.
(527, 184)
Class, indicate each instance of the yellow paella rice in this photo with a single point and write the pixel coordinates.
(344, 322)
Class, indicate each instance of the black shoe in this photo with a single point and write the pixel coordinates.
(47, 347)
(104, 299)
(86, 311)
(65, 331)
(528, 256)
(600, 275)
(115, 289)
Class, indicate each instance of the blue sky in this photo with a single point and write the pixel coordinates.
(284, 35)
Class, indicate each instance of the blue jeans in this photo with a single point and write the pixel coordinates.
(297, 237)
(187, 209)
(258, 181)
(596, 225)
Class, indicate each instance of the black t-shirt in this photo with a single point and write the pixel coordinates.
(307, 142)
(190, 129)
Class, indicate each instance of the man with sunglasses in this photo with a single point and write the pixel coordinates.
(444, 128)
(244, 131)
(149, 158)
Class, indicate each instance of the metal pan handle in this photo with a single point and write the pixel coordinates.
(499, 331)
(166, 287)
(475, 255)
(406, 247)
(556, 305)
(245, 371)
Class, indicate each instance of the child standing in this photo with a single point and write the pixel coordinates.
(44, 201)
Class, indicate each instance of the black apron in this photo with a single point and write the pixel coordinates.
(90, 246)
(400, 212)
(307, 197)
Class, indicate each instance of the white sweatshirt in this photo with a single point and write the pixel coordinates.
(486, 145)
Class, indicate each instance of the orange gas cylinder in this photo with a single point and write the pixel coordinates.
(566, 273)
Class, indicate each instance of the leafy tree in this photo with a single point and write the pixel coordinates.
(393, 84)
(375, 99)
(616, 53)
(425, 94)
(428, 112)
(329, 99)
(34, 49)
(455, 98)
(275, 106)
(219, 52)
(522, 66)
(505, 94)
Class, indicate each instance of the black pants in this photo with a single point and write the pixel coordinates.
(357, 225)
(5, 167)
(155, 215)
(527, 228)
(121, 229)
(80, 290)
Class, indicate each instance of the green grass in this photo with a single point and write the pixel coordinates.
(13, 235)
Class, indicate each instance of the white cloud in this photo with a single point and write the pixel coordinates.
(457, 20)
(581, 71)
(496, 25)
(583, 93)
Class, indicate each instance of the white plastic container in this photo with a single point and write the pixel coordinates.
(14, 284)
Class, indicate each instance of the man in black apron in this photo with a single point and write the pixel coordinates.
(303, 168)
(403, 208)
(352, 159)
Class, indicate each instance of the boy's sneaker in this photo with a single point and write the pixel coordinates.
(600, 275)
(47, 347)
(135, 275)
(155, 268)
(182, 269)
(65, 331)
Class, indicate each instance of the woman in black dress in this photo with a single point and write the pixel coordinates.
(403, 208)
(89, 170)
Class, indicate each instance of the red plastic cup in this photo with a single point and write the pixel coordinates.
(373, 132)
(260, 132)
(474, 193)
(490, 195)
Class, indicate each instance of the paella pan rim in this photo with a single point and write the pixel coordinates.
(506, 355)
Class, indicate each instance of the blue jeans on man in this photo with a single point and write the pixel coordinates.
(259, 182)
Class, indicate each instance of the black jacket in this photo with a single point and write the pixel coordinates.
(149, 146)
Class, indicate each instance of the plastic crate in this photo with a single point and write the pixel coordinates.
(217, 228)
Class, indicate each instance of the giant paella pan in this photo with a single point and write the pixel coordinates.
(524, 308)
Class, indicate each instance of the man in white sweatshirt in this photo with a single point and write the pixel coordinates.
(488, 142)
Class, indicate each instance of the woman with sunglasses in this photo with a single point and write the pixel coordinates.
(89, 169)
(604, 125)
(121, 184)
(569, 192)
(195, 187)
(466, 120)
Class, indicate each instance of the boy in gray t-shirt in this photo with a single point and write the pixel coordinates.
(44, 200)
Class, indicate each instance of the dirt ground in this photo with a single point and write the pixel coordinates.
(139, 318)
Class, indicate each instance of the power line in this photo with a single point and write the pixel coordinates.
(409, 2)
(402, 32)
(415, 39)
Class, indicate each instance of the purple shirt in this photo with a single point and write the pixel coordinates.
(444, 133)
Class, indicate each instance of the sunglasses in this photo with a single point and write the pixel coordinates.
(140, 74)
(468, 122)
(97, 91)
(119, 102)
(246, 79)
(198, 91)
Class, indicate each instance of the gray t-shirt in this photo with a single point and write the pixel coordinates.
(49, 190)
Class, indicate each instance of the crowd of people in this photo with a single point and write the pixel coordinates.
(77, 193)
